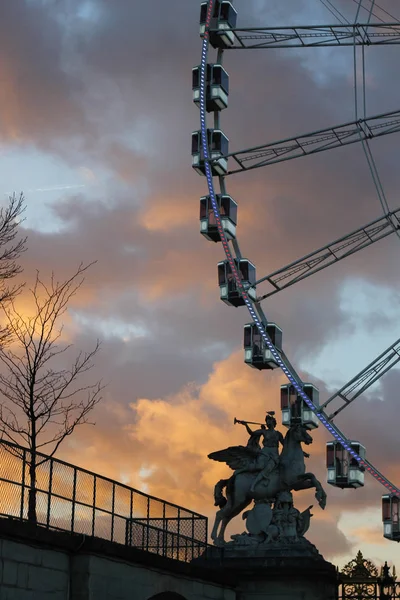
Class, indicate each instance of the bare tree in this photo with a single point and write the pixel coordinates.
(10, 251)
(43, 404)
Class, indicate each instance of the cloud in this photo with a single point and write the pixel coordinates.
(38, 102)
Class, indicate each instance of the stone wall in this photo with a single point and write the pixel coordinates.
(30, 573)
(97, 578)
(37, 564)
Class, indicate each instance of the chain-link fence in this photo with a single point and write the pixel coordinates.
(165, 537)
(72, 499)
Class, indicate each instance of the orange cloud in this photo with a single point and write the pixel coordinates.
(170, 212)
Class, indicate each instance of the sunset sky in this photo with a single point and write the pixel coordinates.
(96, 116)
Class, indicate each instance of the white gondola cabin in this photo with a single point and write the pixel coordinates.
(343, 469)
(229, 291)
(218, 145)
(217, 87)
(390, 517)
(223, 19)
(256, 352)
(295, 409)
(228, 213)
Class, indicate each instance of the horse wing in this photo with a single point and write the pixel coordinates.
(236, 457)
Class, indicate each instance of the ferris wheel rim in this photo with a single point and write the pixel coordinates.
(286, 367)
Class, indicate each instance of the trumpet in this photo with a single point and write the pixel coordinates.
(235, 420)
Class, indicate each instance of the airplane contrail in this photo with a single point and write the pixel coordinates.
(57, 188)
(54, 188)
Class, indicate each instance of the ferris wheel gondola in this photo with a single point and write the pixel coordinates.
(217, 87)
(295, 410)
(344, 470)
(222, 21)
(237, 280)
(228, 285)
(390, 516)
(256, 352)
(218, 144)
(228, 211)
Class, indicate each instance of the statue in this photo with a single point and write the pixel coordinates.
(268, 459)
(284, 524)
(266, 477)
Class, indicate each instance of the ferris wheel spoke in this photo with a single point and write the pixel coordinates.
(311, 36)
(312, 143)
(367, 377)
(331, 253)
(236, 249)
(379, 476)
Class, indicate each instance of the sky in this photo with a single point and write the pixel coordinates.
(96, 115)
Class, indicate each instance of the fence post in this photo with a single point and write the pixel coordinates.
(128, 536)
(94, 504)
(112, 512)
(73, 501)
(49, 493)
(179, 534)
(23, 483)
(165, 532)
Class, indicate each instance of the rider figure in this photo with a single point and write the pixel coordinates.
(254, 439)
(270, 450)
(268, 459)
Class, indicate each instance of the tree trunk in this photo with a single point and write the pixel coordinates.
(32, 518)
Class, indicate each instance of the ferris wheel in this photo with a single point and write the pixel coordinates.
(211, 158)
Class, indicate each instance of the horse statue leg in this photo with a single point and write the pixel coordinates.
(223, 517)
(307, 481)
(224, 523)
(217, 521)
(237, 499)
(221, 502)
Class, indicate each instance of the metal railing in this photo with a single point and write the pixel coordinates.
(72, 499)
(165, 537)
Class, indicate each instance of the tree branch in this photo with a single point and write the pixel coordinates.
(50, 404)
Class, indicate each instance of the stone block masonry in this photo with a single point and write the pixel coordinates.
(38, 564)
(30, 573)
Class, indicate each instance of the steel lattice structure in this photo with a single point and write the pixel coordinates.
(331, 253)
(318, 141)
(360, 130)
(307, 36)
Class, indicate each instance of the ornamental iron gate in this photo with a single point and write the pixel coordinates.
(360, 579)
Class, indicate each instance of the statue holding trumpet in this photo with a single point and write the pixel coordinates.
(268, 459)
(262, 474)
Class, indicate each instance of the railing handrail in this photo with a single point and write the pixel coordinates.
(167, 532)
(159, 519)
(70, 498)
(105, 510)
(104, 478)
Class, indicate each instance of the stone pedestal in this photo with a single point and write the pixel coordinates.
(276, 572)
(289, 579)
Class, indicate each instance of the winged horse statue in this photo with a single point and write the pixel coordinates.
(262, 474)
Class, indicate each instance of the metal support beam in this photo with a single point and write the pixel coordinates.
(317, 141)
(331, 253)
(368, 376)
(311, 36)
